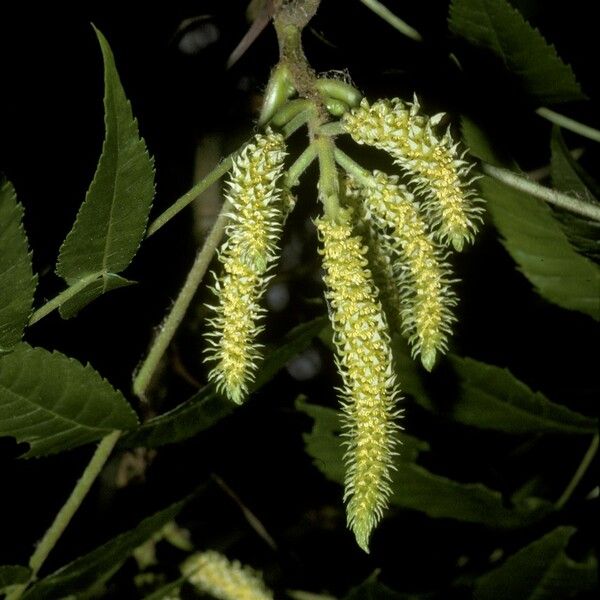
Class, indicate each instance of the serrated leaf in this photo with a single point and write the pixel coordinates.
(111, 222)
(492, 398)
(17, 282)
(536, 242)
(569, 177)
(413, 486)
(497, 26)
(95, 289)
(540, 571)
(206, 408)
(88, 570)
(489, 397)
(13, 575)
(55, 403)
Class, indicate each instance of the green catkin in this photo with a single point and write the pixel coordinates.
(364, 358)
(422, 276)
(438, 170)
(247, 254)
(212, 573)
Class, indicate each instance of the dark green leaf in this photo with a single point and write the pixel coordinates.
(112, 220)
(535, 240)
(55, 403)
(166, 591)
(540, 571)
(206, 408)
(17, 282)
(105, 283)
(13, 575)
(413, 486)
(569, 177)
(84, 572)
(373, 589)
(498, 27)
(492, 398)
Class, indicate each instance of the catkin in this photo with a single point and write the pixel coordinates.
(364, 358)
(249, 251)
(212, 573)
(421, 275)
(438, 170)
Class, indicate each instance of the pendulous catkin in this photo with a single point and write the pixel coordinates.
(248, 252)
(364, 358)
(437, 169)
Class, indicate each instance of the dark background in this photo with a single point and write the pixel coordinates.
(51, 132)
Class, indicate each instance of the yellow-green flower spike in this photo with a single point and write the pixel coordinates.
(423, 277)
(364, 358)
(438, 169)
(212, 573)
(247, 254)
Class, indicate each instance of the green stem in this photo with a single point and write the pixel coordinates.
(387, 15)
(292, 177)
(353, 168)
(328, 177)
(69, 508)
(65, 295)
(334, 128)
(518, 182)
(298, 121)
(169, 327)
(570, 124)
(579, 473)
(192, 194)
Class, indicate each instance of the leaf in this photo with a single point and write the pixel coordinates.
(207, 407)
(540, 571)
(569, 177)
(168, 590)
(87, 570)
(112, 220)
(373, 589)
(536, 242)
(492, 398)
(95, 289)
(55, 403)
(17, 282)
(497, 26)
(413, 486)
(13, 575)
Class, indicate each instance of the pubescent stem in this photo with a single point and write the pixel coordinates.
(65, 295)
(200, 187)
(292, 177)
(396, 22)
(169, 327)
(69, 508)
(353, 168)
(328, 176)
(587, 459)
(518, 182)
(570, 124)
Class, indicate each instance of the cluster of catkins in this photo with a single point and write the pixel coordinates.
(386, 245)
